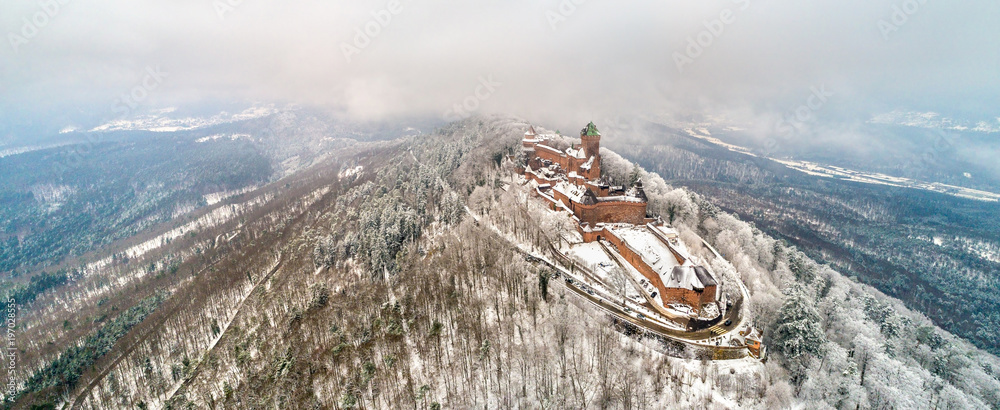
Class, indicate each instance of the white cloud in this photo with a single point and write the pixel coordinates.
(605, 58)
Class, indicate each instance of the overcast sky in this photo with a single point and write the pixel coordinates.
(547, 60)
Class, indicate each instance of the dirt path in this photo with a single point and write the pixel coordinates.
(239, 308)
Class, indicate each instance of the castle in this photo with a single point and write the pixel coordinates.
(616, 217)
(574, 176)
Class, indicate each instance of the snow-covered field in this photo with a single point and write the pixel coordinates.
(934, 120)
(8, 152)
(832, 171)
(215, 197)
(231, 137)
(160, 122)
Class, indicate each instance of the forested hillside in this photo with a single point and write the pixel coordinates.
(96, 187)
(938, 253)
(363, 282)
(59, 203)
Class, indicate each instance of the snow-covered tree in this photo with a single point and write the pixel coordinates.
(798, 330)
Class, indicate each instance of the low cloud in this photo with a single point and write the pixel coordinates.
(562, 62)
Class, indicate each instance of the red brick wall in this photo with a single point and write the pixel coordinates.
(591, 145)
(612, 212)
(673, 295)
(570, 164)
(635, 260)
(708, 296)
(590, 236)
(550, 155)
(563, 198)
(600, 192)
(607, 212)
(685, 296)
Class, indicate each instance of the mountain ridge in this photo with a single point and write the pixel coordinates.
(452, 317)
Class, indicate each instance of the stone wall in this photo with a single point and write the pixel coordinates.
(606, 212)
(708, 295)
(551, 155)
(570, 164)
(634, 259)
(686, 296)
(612, 212)
(689, 297)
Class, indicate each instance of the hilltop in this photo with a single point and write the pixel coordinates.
(393, 274)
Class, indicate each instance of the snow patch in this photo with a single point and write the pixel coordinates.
(231, 137)
(156, 122)
(350, 172)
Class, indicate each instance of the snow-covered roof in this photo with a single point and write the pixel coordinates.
(650, 248)
(689, 277)
(594, 257)
(573, 192)
(575, 153)
(619, 198)
(588, 164)
(667, 231)
(546, 147)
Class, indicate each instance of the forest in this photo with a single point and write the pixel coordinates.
(119, 188)
(937, 253)
(375, 288)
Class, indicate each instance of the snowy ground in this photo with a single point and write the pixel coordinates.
(831, 171)
(601, 282)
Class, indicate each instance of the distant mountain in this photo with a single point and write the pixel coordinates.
(364, 280)
(935, 120)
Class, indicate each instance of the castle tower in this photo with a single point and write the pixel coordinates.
(590, 140)
(529, 141)
(638, 192)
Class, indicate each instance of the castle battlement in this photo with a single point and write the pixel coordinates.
(570, 180)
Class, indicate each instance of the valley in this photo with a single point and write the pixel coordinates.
(882, 234)
(393, 274)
